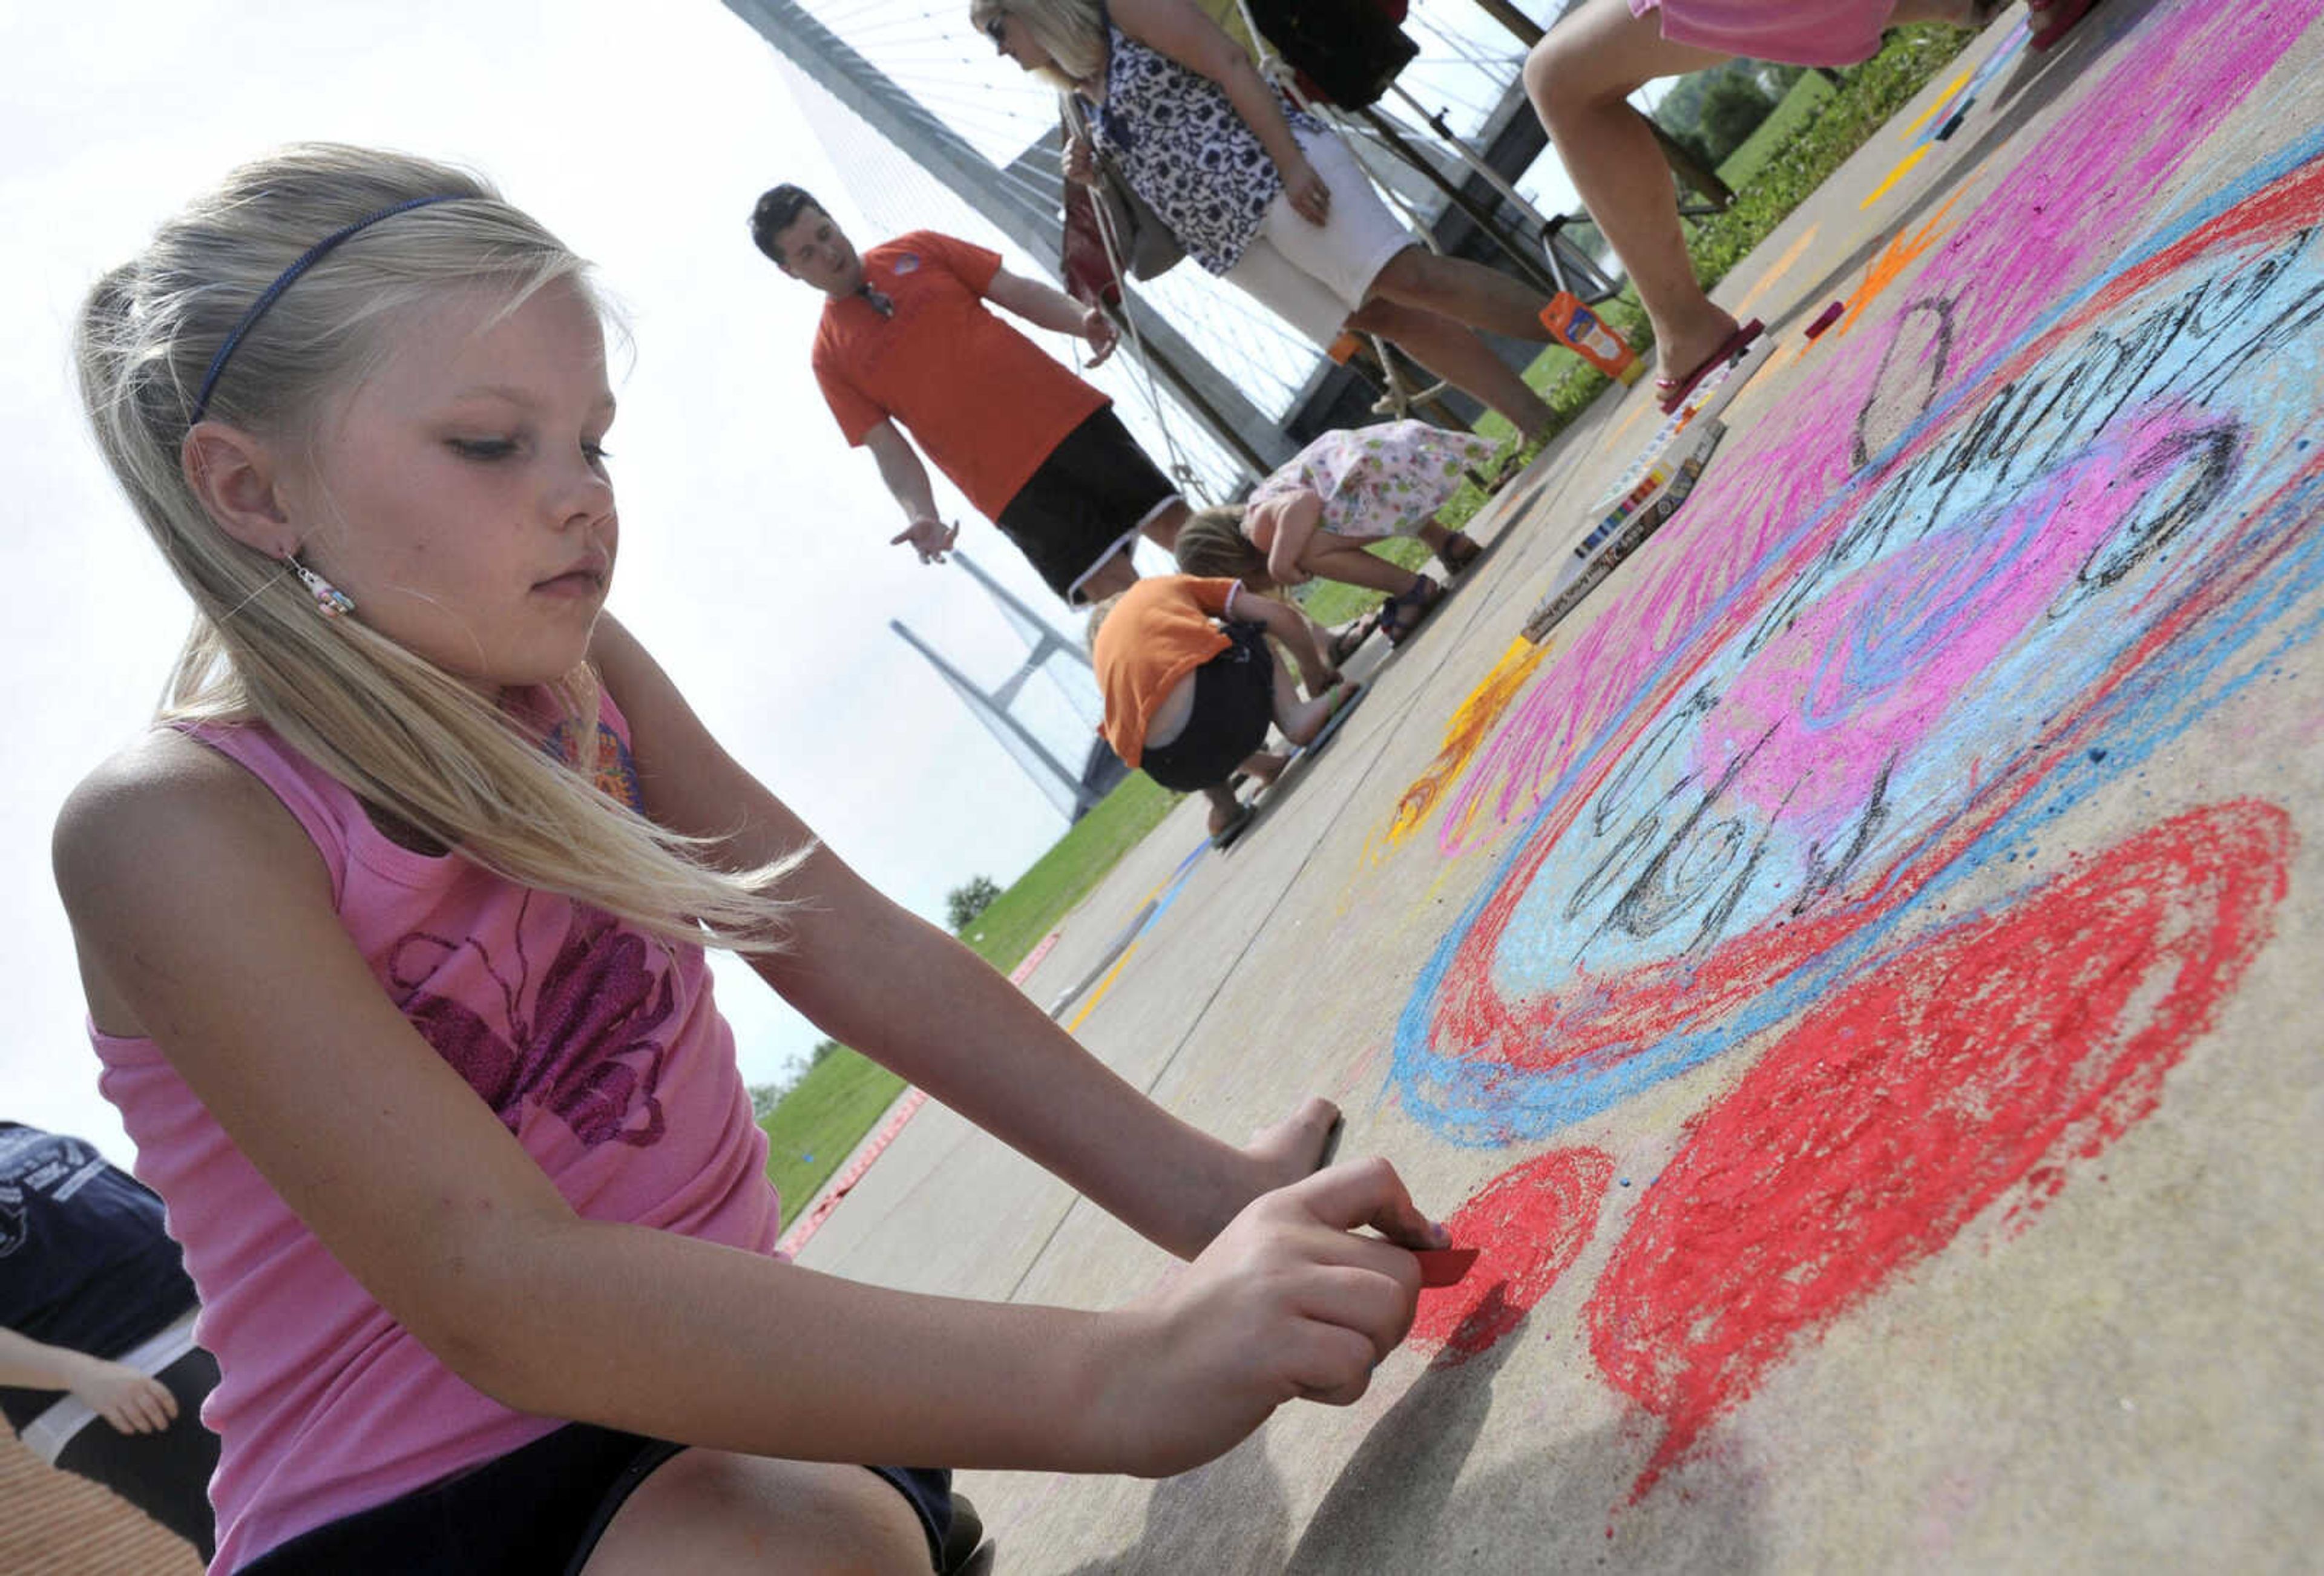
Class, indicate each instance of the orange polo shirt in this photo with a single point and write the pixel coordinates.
(1156, 634)
(983, 402)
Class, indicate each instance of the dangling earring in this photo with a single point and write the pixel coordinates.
(328, 596)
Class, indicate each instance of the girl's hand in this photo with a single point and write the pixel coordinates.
(1080, 161)
(1310, 198)
(132, 1402)
(1289, 1303)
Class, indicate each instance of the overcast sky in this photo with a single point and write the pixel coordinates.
(754, 553)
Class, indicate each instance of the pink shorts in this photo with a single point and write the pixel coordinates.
(1796, 33)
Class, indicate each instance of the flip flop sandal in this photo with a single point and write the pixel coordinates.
(1670, 394)
(1454, 563)
(1418, 603)
(1350, 637)
(2053, 21)
(1224, 837)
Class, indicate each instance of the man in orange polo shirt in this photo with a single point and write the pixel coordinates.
(906, 343)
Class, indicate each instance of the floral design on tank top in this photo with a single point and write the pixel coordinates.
(585, 1043)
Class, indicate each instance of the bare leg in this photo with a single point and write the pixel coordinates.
(1162, 530)
(1467, 292)
(1335, 557)
(716, 1512)
(1456, 355)
(1224, 806)
(1580, 79)
(1300, 720)
(1116, 574)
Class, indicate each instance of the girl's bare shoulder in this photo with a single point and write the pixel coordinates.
(162, 797)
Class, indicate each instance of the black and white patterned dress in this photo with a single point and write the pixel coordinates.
(1176, 138)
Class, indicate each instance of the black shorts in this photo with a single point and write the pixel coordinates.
(166, 1475)
(1234, 701)
(537, 1511)
(1085, 503)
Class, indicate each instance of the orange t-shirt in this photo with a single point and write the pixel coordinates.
(982, 400)
(1156, 634)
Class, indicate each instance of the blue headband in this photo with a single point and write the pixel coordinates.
(283, 281)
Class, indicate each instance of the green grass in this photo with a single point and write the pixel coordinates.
(1020, 917)
(1809, 95)
(821, 1120)
(831, 1108)
(1800, 145)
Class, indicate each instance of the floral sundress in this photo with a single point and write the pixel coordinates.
(1380, 480)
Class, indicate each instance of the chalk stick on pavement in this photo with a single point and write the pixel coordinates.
(1827, 317)
(1444, 1267)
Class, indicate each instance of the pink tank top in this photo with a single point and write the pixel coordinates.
(598, 1047)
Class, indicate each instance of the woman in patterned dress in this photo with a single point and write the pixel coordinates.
(1259, 193)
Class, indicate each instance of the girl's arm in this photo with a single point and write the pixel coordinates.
(1295, 518)
(204, 918)
(1180, 30)
(130, 1401)
(881, 980)
(1294, 629)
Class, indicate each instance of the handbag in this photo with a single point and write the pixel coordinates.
(1148, 249)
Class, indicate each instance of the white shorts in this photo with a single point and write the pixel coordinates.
(1313, 276)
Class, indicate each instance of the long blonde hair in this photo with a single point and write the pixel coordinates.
(399, 731)
(1071, 32)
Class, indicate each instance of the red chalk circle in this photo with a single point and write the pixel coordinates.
(1974, 1066)
(1528, 1224)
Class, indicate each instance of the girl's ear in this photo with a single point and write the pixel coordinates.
(234, 477)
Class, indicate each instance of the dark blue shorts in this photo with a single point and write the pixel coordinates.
(535, 1511)
(1234, 701)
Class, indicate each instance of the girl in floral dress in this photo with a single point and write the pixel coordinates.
(1316, 515)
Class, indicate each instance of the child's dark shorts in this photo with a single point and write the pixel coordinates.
(1234, 701)
(1087, 501)
(536, 1511)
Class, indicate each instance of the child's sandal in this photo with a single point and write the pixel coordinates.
(1408, 610)
(1458, 553)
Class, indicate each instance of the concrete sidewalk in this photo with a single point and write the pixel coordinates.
(1856, 984)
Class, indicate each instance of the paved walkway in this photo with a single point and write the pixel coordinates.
(1856, 981)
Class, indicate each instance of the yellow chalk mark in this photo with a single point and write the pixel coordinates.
(1776, 270)
(1897, 256)
(1897, 174)
(1471, 720)
(1944, 101)
(1097, 992)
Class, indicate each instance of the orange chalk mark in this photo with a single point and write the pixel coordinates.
(1884, 269)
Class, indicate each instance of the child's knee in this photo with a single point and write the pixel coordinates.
(715, 1511)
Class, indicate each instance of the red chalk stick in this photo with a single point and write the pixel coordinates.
(1827, 317)
(1443, 1267)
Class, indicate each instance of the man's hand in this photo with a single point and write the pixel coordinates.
(1103, 335)
(930, 537)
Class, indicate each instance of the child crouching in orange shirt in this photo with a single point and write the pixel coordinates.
(1190, 686)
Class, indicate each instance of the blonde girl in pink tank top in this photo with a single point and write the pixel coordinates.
(392, 939)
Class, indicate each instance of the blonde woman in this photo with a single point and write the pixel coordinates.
(392, 935)
(1259, 193)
